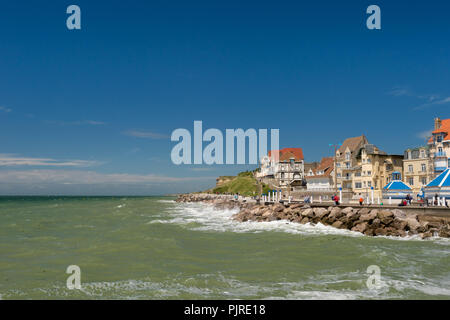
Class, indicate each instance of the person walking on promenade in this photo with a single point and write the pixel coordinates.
(361, 200)
(336, 200)
(409, 199)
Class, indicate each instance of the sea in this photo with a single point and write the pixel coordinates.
(156, 248)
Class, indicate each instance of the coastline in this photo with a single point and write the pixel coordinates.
(366, 220)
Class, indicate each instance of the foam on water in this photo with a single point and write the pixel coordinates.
(218, 286)
(204, 217)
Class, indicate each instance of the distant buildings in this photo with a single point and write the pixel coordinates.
(361, 169)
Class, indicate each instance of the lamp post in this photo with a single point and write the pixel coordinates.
(335, 146)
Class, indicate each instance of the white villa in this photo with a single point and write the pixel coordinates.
(321, 179)
(283, 168)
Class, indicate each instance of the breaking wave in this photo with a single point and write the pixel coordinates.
(204, 217)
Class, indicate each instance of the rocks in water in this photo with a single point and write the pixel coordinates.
(369, 221)
(360, 227)
(307, 213)
(337, 224)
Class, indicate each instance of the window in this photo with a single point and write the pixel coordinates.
(358, 174)
(424, 167)
(368, 160)
(410, 168)
(347, 156)
(369, 184)
(424, 180)
(358, 185)
(439, 138)
(411, 181)
(369, 173)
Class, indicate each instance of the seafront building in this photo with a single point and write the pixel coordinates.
(346, 162)
(360, 169)
(375, 169)
(283, 169)
(417, 168)
(439, 144)
(321, 177)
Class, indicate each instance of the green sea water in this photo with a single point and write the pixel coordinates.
(154, 248)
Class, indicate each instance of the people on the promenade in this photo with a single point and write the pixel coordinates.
(336, 199)
(403, 203)
(408, 199)
(361, 200)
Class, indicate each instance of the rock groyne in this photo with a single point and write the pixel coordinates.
(369, 221)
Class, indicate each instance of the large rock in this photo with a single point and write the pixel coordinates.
(368, 217)
(320, 212)
(412, 224)
(304, 220)
(337, 224)
(295, 206)
(360, 227)
(334, 214)
(278, 208)
(399, 213)
(267, 213)
(364, 211)
(307, 213)
(353, 215)
(385, 214)
(347, 210)
(380, 232)
(376, 223)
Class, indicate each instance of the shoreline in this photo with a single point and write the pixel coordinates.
(370, 221)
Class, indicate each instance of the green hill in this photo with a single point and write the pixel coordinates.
(244, 183)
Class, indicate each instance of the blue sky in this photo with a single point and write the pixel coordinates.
(90, 111)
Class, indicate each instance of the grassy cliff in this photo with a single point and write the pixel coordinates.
(244, 183)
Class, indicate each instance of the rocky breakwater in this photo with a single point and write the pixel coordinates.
(371, 222)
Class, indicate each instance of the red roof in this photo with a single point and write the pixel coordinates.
(287, 153)
(326, 165)
(445, 128)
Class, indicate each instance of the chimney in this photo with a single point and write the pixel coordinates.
(437, 123)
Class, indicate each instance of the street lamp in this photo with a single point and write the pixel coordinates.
(335, 146)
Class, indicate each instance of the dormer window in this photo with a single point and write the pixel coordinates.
(439, 138)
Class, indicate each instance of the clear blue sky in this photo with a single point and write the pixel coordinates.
(90, 111)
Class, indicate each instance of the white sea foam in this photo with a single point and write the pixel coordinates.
(204, 217)
(166, 201)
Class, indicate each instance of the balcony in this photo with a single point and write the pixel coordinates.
(440, 154)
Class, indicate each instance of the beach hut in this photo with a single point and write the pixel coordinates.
(440, 186)
(396, 189)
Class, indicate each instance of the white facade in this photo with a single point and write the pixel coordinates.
(284, 172)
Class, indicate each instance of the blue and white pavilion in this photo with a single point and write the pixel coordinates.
(439, 186)
(396, 189)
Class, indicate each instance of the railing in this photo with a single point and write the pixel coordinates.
(440, 154)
